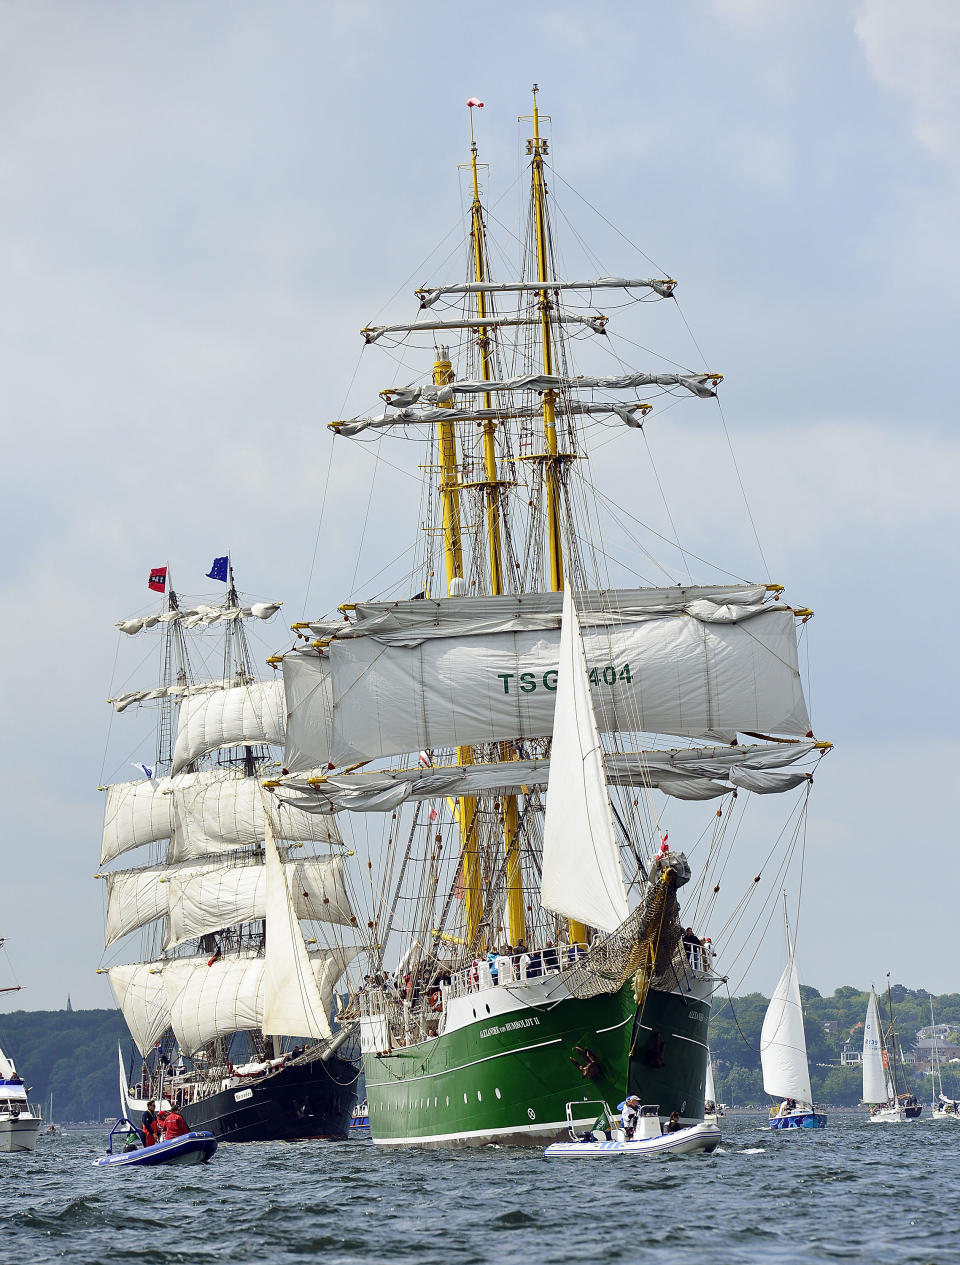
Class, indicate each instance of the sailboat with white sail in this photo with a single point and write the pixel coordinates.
(510, 725)
(712, 1109)
(941, 1107)
(783, 1051)
(239, 938)
(881, 1091)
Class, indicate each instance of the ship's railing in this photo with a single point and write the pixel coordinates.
(515, 968)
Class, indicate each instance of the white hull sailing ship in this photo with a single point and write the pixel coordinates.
(227, 1001)
(511, 725)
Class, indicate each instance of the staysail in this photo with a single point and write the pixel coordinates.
(874, 1078)
(710, 1091)
(582, 874)
(783, 1046)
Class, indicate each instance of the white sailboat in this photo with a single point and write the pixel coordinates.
(783, 1054)
(879, 1092)
(712, 1110)
(941, 1107)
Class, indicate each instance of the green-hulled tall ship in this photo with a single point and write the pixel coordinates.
(496, 745)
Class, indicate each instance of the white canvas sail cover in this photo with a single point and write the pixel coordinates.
(582, 874)
(202, 615)
(228, 812)
(783, 1046)
(672, 674)
(874, 1077)
(138, 989)
(207, 899)
(246, 715)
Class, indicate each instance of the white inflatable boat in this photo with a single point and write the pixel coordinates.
(648, 1139)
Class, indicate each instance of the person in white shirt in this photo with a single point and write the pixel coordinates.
(629, 1114)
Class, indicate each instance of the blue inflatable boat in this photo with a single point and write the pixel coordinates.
(125, 1149)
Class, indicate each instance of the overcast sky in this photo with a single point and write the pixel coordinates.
(201, 203)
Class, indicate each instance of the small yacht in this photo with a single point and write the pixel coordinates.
(19, 1123)
(881, 1071)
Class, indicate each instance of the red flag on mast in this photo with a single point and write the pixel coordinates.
(158, 579)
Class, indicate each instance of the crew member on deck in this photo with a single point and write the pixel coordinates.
(174, 1126)
(148, 1124)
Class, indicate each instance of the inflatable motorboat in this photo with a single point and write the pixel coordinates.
(125, 1149)
(604, 1139)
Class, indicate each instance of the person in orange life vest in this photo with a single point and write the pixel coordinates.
(174, 1126)
(149, 1126)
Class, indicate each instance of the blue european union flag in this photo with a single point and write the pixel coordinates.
(219, 569)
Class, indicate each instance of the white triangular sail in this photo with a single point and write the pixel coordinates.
(582, 873)
(874, 1076)
(783, 1046)
(293, 1003)
(710, 1091)
(139, 991)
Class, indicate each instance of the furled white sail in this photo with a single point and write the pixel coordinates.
(138, 989)
(350, 426)
(373, 333)
(200, 615)
(229, 812)
(123, 701)
(701, 384)
(672, 674)
(874, 1076)
(208, 898)
(686, 773)
(582, 874)
(428, 295)
(249, 714)
(293, 1002)
(783, 1046)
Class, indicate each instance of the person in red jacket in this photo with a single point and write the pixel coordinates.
(174, 1126)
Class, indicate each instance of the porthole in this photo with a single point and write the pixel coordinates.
(497, 1092)
(479, 1096)
(487, 1004)
(434, 1102)
(474, 1013)
(448, 1100)
(464, 1099)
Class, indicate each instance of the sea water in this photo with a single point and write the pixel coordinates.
(855, 1192)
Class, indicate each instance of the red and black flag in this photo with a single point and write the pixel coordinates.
(158, 579)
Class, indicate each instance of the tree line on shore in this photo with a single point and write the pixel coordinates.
(73, 1054)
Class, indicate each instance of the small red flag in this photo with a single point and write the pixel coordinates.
(158, 579)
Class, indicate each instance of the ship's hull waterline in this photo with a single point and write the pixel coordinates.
(310, 1100)
(507, 1079)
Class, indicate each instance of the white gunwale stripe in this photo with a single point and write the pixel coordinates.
(449, 1071)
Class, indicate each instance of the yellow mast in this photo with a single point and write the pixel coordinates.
(551, 460)
(453, 550)
(516, 914)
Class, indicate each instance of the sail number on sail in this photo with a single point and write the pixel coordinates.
(528, 681)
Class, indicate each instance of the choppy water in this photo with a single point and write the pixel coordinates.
(855, 1192)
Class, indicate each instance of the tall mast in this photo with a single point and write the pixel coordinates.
(453, 551)
(513, 876)
(550, 460)
(893, 1040)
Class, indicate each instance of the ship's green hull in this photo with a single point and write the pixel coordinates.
(508, 1079)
